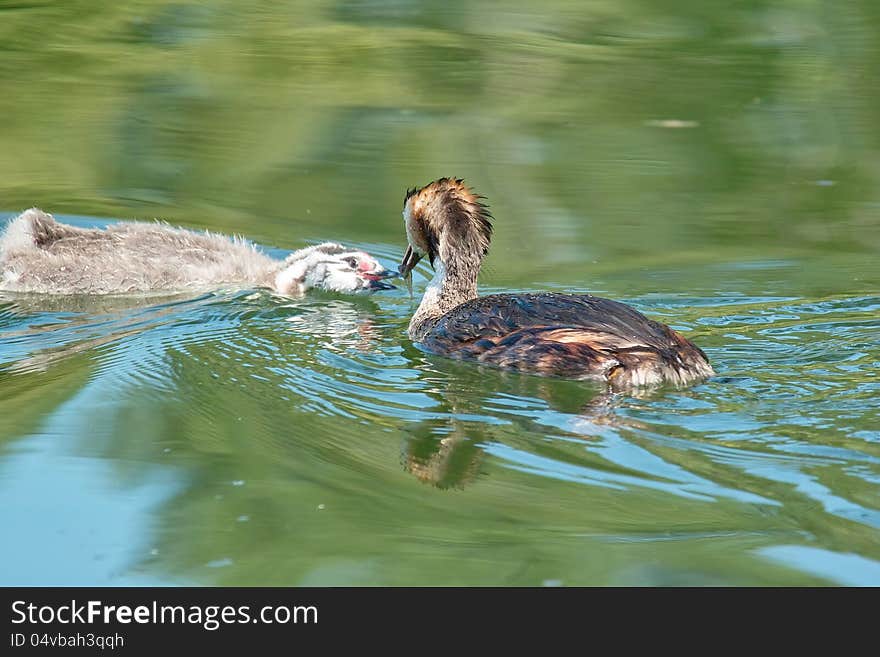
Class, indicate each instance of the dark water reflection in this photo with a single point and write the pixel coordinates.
(713, 165)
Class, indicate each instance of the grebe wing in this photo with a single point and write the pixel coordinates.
(498, 315)
(567, 335)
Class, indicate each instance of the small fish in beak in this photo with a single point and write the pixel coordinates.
(410, 260)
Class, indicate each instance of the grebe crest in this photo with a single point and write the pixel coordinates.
(446, 219)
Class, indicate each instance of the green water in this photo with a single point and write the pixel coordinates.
(713, 163)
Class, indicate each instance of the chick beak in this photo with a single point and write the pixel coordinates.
(375, 278)
(410, 260)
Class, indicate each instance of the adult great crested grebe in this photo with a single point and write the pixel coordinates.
(39, 254)
(570, 335)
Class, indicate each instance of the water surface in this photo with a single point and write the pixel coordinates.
(713, 165)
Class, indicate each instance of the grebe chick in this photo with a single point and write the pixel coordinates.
(571, 335)
(39, 254)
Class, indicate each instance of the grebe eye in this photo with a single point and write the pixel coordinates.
(352, 262)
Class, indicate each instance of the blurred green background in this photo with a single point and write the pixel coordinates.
(632, 128)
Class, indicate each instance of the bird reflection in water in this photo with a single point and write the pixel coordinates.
(448, 451)
(339, 324)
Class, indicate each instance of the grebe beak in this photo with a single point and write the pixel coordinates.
(375, 278)
(380, 285)
(376, 282)
(410, 260)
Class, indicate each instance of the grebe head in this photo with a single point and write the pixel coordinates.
(444, 219)
(334, 268)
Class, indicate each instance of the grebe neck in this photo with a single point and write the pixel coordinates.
(454, 283)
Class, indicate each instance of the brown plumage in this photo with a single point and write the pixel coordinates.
(571, 335)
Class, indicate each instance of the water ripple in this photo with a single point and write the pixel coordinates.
(261, 388)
